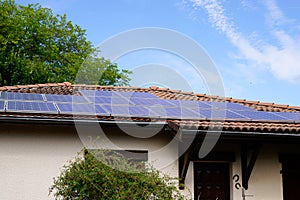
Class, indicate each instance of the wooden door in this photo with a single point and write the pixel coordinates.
(291, 179)
(211, 181)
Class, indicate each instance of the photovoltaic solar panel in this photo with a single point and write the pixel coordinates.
(106, 93)
(175, 112)
(77, 108)
(293, 116)
(100, 93)
(88, 93)
(2, 103)
(150, 102)
(100, 100)
(221, 114)
(190, 104)
(133, 94)
(96, 93)
(33, 106)
(126, 110)
(134, 104)
(16, 96)
(65, 98)
(143, 95)
(144, 111)
(228, 105)
(261, 115)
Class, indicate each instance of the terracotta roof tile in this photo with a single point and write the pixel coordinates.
(240, 126)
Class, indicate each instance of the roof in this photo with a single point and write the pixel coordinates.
(67, 88)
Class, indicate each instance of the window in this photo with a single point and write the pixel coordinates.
(134, 157)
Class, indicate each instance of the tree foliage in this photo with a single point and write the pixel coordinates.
(89, 179)
(37, 46)
(94, 67)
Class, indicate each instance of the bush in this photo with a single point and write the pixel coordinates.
(109, 175)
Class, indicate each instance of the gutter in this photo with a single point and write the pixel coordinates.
(69, 121)
(237, 133)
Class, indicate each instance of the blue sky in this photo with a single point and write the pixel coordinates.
(255, 45)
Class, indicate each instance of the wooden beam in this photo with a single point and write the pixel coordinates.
(247, 167)
(184, 161)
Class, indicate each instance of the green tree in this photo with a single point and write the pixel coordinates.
(94, 67)
(89, 178)
(37, 46)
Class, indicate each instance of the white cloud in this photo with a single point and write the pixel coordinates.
(281, 59)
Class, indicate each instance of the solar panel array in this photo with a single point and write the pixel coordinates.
(134, 104)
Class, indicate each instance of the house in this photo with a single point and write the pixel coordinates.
(220, 148)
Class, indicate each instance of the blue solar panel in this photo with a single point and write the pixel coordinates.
(101, 93)
(111, 100)
(261, 115)
(65, 98)
(100, 100)
(16, 96)
(151, 102)
(33, 106)
(96, 93)
(106, 93)
(139, 104)
(88, 93)
(175, 112)
(74, 108)
(143, 95)
(228, 105)
(100, 110)
(133, 94)
(2, 103)
(293, 116)
(190, 104)
(126, 110)
(126, 100)
(144, 111)
(221, 114)
(120, 100)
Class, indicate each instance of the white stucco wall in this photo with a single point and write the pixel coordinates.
(265, 182)
(31, 157)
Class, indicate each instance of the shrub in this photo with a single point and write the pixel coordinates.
(109, 175)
